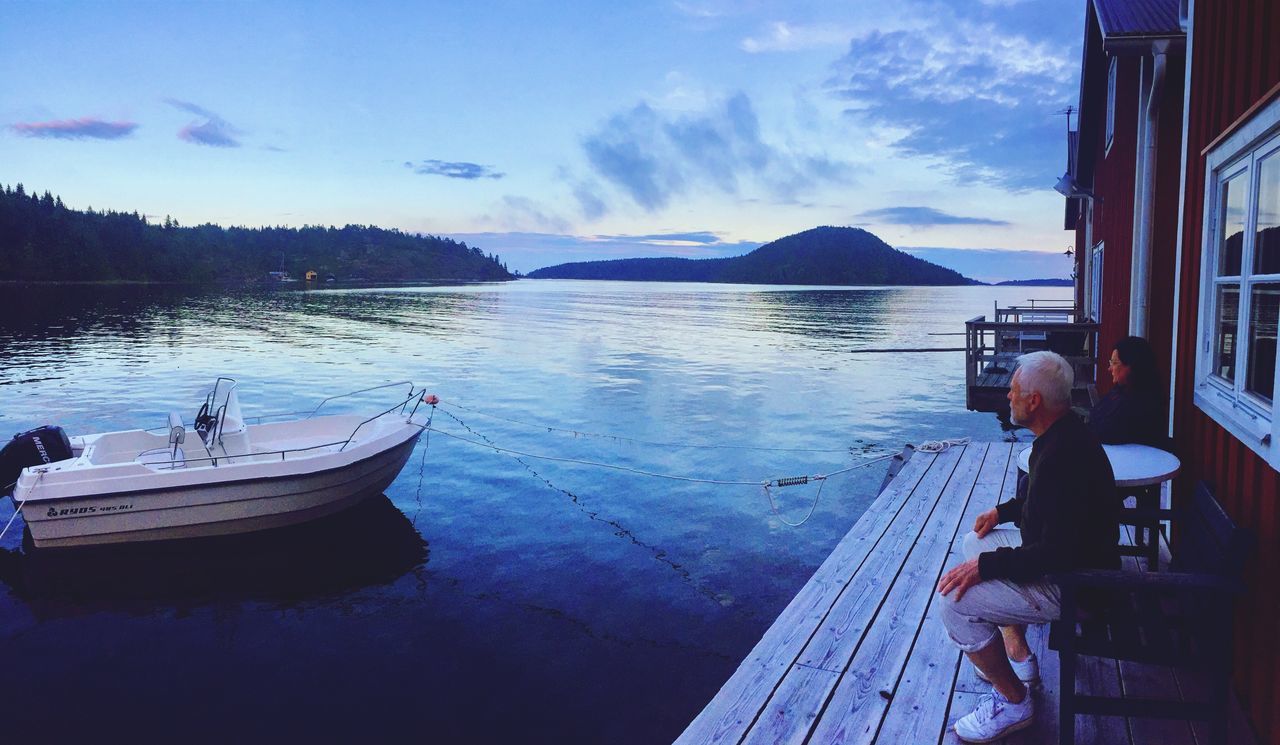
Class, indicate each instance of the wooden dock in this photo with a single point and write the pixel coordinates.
(859, 655)
(992, 349)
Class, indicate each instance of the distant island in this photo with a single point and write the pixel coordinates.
(1036, 283)
(42, 240)
(820, 256)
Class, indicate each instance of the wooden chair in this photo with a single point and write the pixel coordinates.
(1145, 516)
(1182, 618)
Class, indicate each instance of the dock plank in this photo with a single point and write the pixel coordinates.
(1140, 680)
(919, 713)
(732, 711)
(839, 634)
(863, 695)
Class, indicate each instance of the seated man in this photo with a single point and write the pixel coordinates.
(1068, 520)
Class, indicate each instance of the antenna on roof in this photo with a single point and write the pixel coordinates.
(1067, 112)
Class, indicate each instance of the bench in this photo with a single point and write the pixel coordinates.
(1182, 618)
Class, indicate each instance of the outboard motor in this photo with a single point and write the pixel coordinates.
(35, 447)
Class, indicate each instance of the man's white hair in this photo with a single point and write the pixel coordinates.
(1048, 374)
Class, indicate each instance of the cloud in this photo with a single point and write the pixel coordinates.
(973, 91)
(786, 37)
(525, 211)
(703, 10)
(923, 216)
(76, 129)
(213, 131)
(701, 237)
(589, 201)
(448, 169)
(651, 156)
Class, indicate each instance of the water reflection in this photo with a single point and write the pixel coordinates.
(827, 314)
(370, 543)
(579, 603)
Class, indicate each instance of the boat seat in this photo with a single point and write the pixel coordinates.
(163, 458)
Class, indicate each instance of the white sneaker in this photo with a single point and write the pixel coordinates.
(1028, 671)
(995, 717)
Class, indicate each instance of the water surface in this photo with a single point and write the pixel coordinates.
(485, 597)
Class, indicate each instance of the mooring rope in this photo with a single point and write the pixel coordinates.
(623, 438)
(422, 465)
(21, 504)
(597, 464)
(766, 485)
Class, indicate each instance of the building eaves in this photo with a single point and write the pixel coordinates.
(1126, 21)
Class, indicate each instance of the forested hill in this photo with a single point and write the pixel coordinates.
(42, 240)
(821, 256)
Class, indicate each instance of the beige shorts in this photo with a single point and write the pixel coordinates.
(973, 621)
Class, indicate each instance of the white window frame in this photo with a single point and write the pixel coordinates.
(1095, 281)
(1246, 416)
(1111, 105)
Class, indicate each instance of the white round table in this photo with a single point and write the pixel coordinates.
(1133, 465)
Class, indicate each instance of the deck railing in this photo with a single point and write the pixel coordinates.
(1039, 311)
(991, 345)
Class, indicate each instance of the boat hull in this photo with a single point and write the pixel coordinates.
(221, 508)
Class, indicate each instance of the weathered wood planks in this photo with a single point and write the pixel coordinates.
(860, 656)
(736, 706)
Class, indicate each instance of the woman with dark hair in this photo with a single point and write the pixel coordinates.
(1132, 412)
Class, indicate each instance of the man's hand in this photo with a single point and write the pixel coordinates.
(960, 579)
(986, 521)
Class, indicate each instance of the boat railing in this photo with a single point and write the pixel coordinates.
(213, 459)
(401, 406)
(340, 444)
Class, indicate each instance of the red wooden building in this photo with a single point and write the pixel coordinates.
(1178, 240)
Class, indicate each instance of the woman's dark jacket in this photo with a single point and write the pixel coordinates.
(1128, 416)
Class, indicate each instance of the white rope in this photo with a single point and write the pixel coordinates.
(931, 446)
(766, 485)
(22, 503)
(822, 478)
(937, 446)
(12, 518)
(615, 467)
(622, 438)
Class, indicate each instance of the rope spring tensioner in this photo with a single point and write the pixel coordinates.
(795, 480)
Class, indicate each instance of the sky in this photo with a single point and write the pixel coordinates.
(553, 132)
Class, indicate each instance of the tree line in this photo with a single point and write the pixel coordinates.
(41, 239)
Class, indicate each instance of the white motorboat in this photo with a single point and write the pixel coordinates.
(221, 475)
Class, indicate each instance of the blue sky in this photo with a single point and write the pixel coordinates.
(551, 132)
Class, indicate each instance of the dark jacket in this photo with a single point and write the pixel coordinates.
(1069, 517)
(1124, 416)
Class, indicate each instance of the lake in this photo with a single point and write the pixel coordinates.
(485, 597)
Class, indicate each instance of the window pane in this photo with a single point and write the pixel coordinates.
(1224, 347)
(1231, 224)
(1264, 310)
(1266, 250)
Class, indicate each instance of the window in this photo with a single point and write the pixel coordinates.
(1240, 294)
(1111, 102)
(1095, 282)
